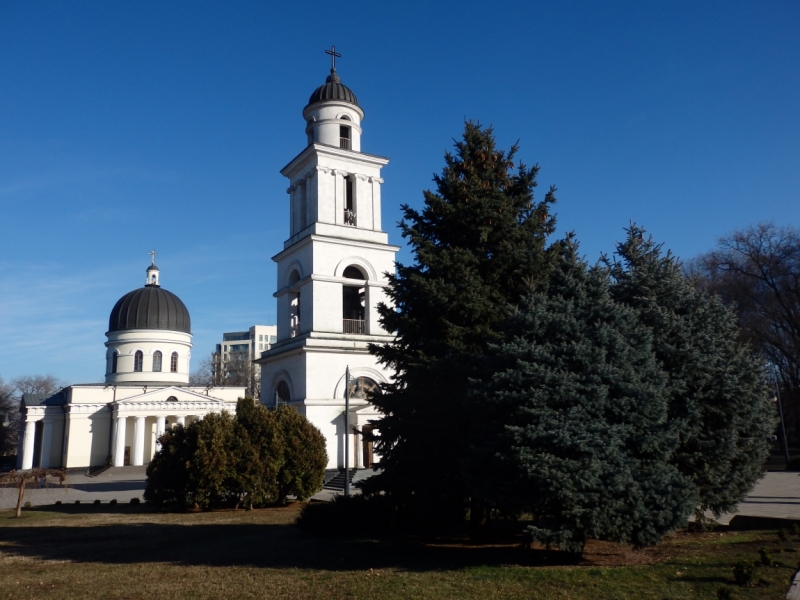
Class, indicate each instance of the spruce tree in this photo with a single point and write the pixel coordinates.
(718, 403)
(575, 427)
(478, 243)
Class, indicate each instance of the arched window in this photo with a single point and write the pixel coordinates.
(353, 272)
(173, 362)
(138, 358)
(294, 306)
(282, 394)
(353, 303)
(157, 361)
(344, 137)
(114, 358)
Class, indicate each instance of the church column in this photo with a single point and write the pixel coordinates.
(181, 420)
(27, 449)
(138, 442)
(47, 438)
(119, 441)
(160, 426)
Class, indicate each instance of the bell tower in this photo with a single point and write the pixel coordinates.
(331, 273)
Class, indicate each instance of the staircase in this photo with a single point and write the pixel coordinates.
(337, 483)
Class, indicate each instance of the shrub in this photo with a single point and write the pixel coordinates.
(765, 558)
(97, 501)
(258, 457)
(724, 593)
(28, 505)
(77, 501)
(135, 501)
(782, 534)
(356, 515)
(58, 502)
(113, 501)
(302, 471)
(743, 572)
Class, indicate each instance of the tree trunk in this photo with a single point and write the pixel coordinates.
(19, 499)
(477, 519)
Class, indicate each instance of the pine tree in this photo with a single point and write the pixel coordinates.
(718, 404)
(575, 429)
(478, 243)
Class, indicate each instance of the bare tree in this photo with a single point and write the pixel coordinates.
(10, 397)
(21, 478)
(237, 371)
(9, 416)
(757, 270)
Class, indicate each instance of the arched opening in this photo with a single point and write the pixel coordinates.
(349, 202)
(138, 359)
(294, 306)
(354, 303)
(114, 359)
(282, 395)
(173, 363)
(157, 361)
(344, 137)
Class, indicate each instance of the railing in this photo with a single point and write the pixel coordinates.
(344, 143)
(349, 217)
(354, 326)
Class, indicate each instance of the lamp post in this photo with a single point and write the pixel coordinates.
(347, 431)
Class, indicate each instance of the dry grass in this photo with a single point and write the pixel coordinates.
(105, 552)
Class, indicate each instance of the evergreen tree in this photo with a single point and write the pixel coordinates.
(259, 451)
(478, 243)
(718, 404)
(575, 426)
(212, 470)
(302, 471)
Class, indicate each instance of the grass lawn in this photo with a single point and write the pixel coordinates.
(91, 551)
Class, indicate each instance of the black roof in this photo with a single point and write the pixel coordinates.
(150, 307)
(333, 89)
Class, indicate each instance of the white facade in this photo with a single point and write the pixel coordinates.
(331, 277)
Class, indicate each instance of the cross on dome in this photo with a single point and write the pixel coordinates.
(334, 55)
(152, 254)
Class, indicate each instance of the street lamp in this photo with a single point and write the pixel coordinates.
(347, 431)
(5, 422)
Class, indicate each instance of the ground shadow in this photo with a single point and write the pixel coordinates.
(259, 545)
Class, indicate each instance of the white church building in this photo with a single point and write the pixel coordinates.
(146, 390)
(331, 277)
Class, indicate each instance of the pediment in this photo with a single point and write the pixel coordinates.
(170, 395)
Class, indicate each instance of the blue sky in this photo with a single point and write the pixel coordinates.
(131, 126)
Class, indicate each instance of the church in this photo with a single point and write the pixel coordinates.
(146, 390)
(331, 278)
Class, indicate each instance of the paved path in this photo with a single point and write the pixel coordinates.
(121, 484)
(777, 495)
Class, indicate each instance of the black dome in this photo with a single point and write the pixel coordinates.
(333, 89)
(150, 307)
